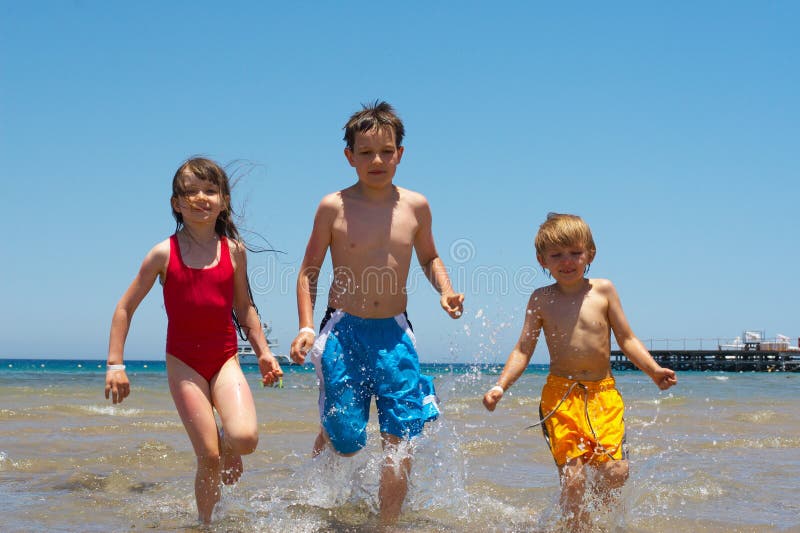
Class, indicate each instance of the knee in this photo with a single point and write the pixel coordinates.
(243, 442)
(346, 439)
(617, 474)
(349, 443)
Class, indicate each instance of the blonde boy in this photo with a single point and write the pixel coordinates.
(366, 345)
(581, 409)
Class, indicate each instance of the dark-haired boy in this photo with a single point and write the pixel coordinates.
(366, 346)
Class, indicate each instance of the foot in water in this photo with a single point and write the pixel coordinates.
(319, 444)
(231, 466)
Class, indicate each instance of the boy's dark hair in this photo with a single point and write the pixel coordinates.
(379, 114)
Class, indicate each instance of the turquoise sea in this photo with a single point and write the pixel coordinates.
(719, 452)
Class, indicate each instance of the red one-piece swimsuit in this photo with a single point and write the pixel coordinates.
(199, 304)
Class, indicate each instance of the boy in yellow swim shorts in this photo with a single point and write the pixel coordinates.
(581, 411)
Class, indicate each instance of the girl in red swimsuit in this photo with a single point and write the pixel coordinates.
(203, 271)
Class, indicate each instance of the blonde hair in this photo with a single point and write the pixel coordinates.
(564, 230)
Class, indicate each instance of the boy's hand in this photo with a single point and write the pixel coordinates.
(491, 398)
(117, 385)
(664, 378)
(300, 346)
(271, 372)
(453, 304)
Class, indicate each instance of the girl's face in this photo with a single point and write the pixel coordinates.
(201, 201)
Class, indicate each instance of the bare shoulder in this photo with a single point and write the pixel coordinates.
(238, 253)
(539, 293)
(160, 250)
(417, 204)
(334, 198)
(536, 300)
(236, 247)
(603, 287)
(546, 290)
(157, 258)
(540, 297)
(414, 198)
(332, 203)
(601, 284)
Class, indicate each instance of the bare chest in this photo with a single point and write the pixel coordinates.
(369, 230)
(575, 317)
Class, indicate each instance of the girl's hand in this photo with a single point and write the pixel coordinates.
(117, 385)
(301, 346)
(453, 304)
(271, 372)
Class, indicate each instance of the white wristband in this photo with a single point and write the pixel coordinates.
(115, 367)
(308, 330)
(498, 388)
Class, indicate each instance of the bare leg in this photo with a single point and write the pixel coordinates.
(611, 475)
(319, 443)
(394, 478)
(192, 398)
(233, 400)
(573, 488)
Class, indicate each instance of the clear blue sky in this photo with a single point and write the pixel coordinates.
(671, 127)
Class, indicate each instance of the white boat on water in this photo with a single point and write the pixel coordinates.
(245, 350)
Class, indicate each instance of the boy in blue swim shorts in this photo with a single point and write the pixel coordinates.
(365, 348)
(358, 358)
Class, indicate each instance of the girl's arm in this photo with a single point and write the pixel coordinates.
(630, 345)
(520, 356)
(248, 317)
(154, 264)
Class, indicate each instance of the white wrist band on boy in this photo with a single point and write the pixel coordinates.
(115, 367)
(499, 389)
(308, 330)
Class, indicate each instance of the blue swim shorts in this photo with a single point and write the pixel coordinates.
(358, 358)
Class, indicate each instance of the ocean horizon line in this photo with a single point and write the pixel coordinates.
(134, 365)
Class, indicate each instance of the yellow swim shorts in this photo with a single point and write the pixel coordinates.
(587, 419)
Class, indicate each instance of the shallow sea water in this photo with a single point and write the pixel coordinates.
(719, 452)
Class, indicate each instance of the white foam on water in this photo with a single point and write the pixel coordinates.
(331, 491)
(111, 410)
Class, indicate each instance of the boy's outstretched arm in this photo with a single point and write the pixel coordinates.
(631, 346)
(432, 265)
(520, 356)
(317, 248)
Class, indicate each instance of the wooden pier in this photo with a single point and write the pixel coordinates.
(717, 360)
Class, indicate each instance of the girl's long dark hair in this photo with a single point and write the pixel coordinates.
(210, 171)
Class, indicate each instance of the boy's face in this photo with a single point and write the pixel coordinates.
(375, 157)
(567, 264)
